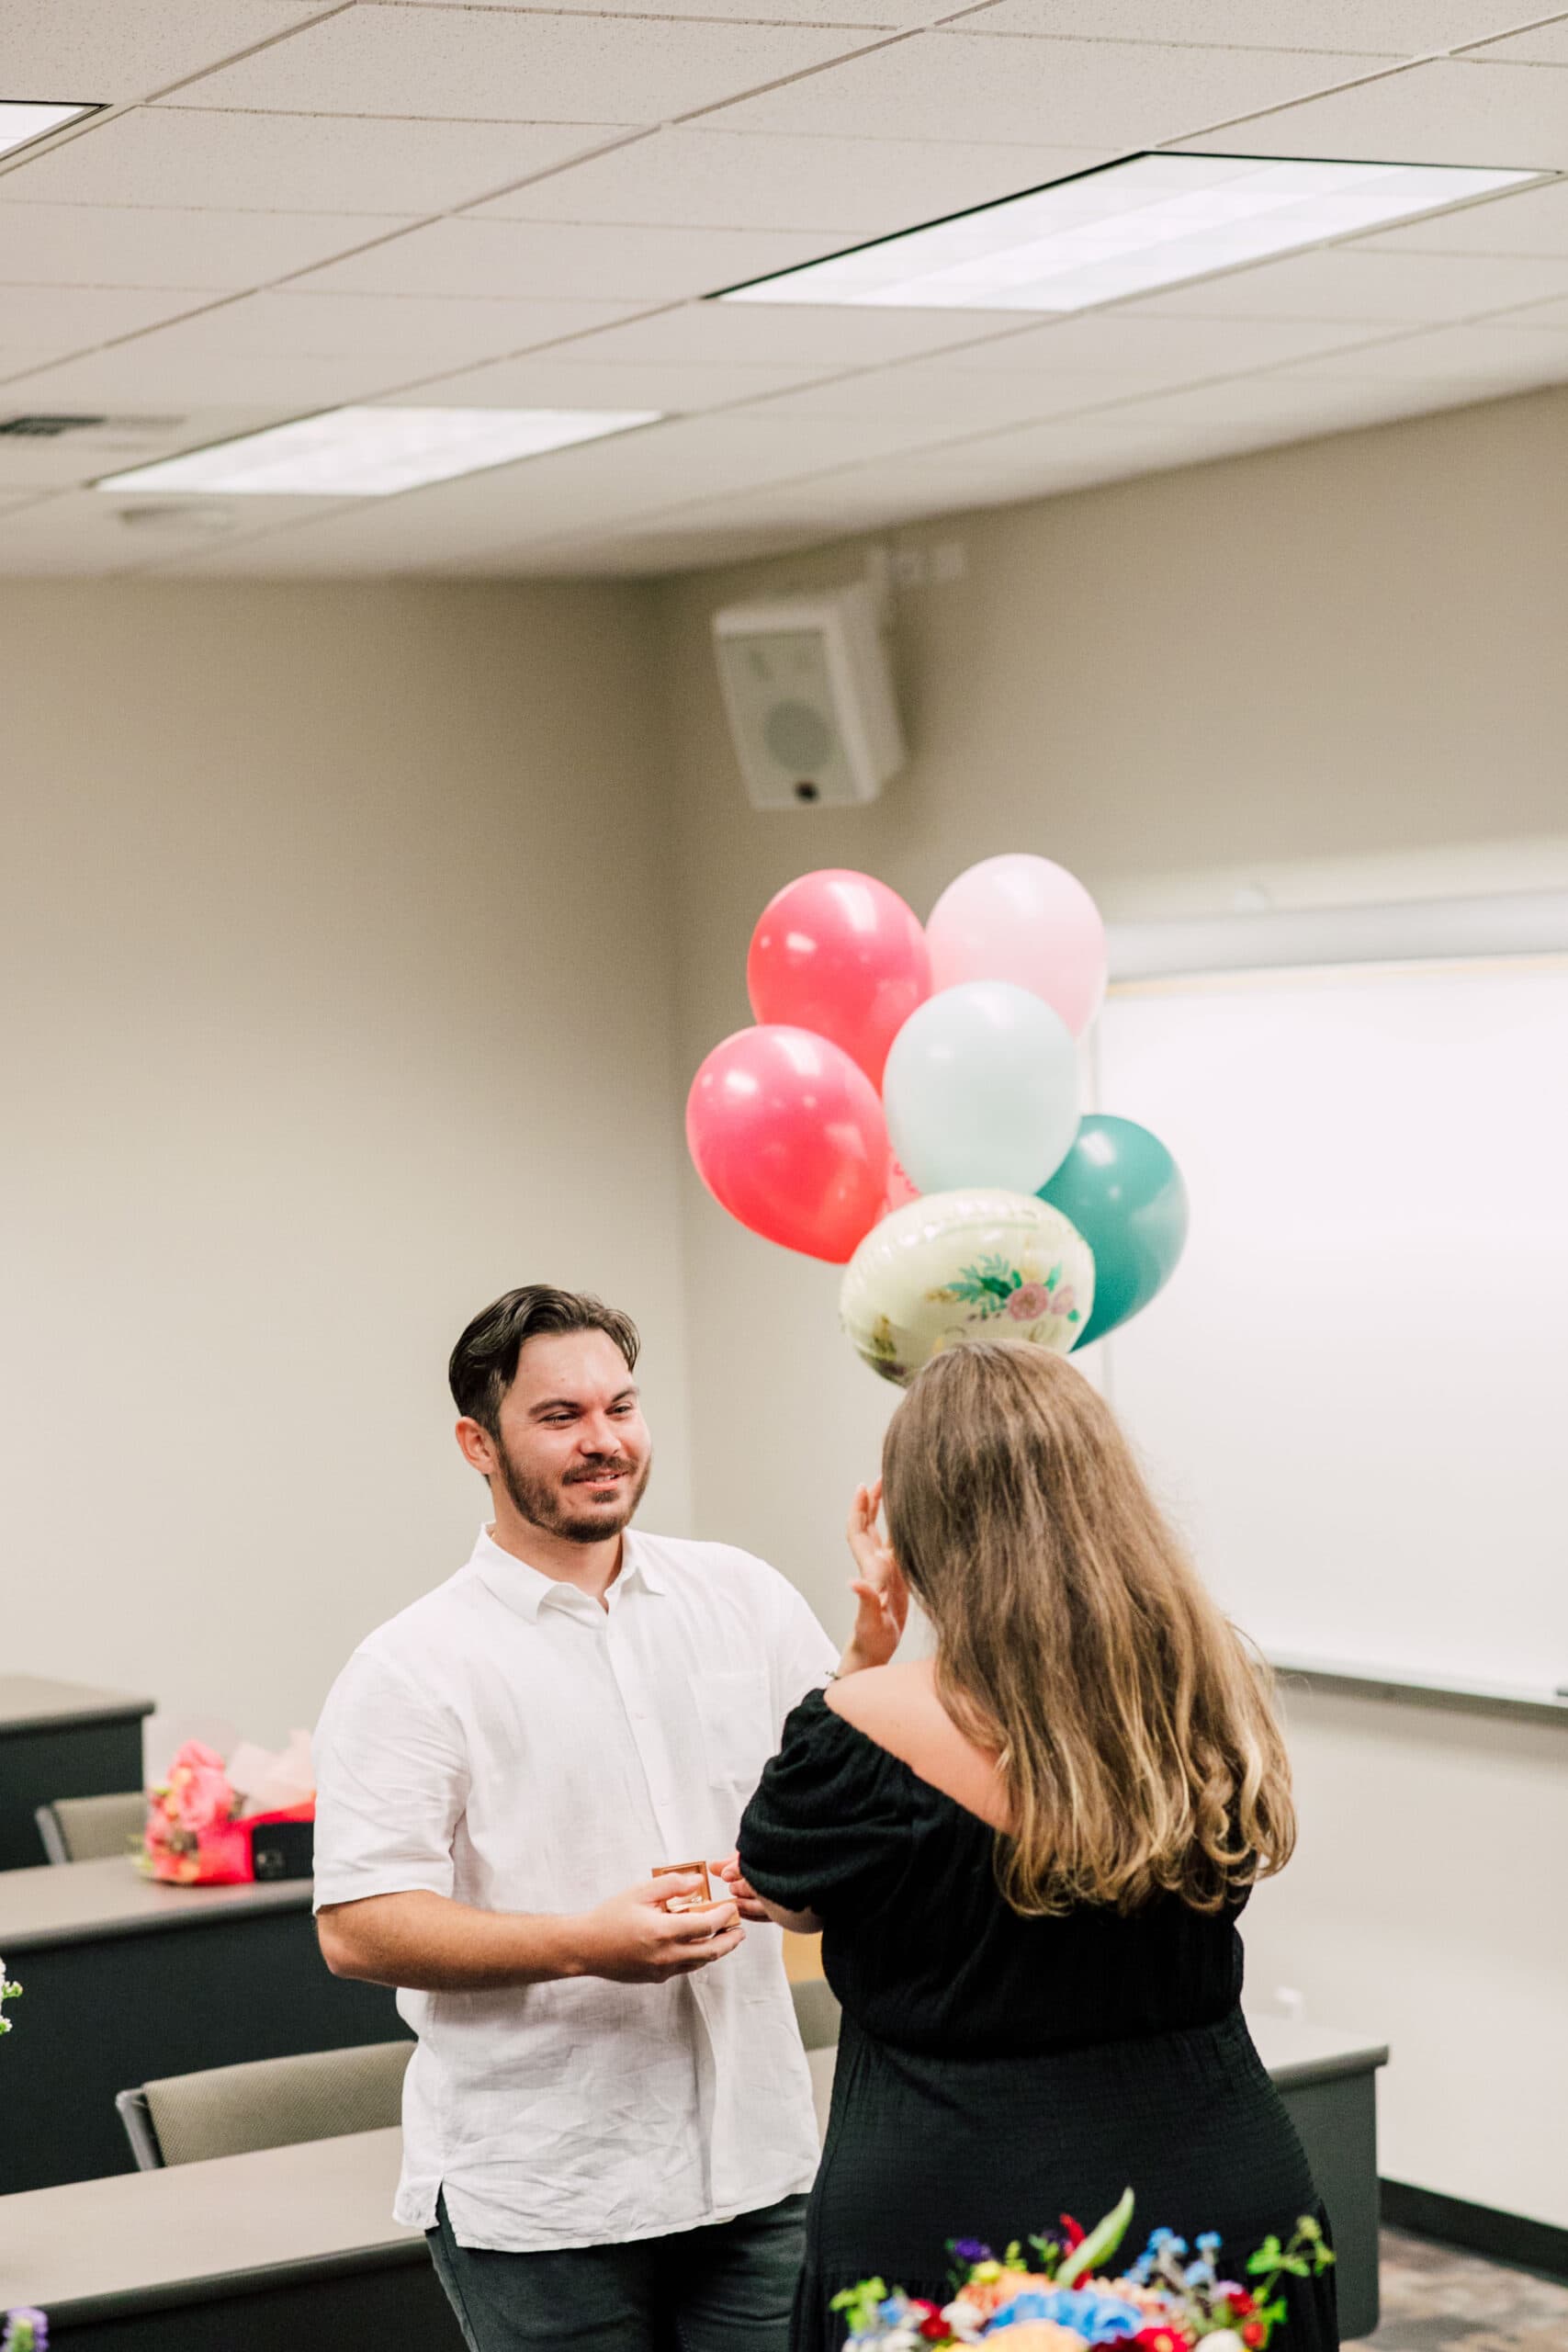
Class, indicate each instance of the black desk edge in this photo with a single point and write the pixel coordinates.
(30, 1727)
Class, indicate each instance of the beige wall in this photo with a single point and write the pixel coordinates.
(1335, 672)
(338, 930)
(335, 950)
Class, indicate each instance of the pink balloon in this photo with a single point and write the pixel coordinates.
(841, 954)
(788, 1135)
(1020, 918)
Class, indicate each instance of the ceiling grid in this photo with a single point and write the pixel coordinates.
(282, 207)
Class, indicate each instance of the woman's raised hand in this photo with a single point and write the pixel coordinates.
(878, 1585)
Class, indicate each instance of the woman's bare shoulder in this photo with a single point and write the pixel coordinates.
(879, 1696)
(896, 1706)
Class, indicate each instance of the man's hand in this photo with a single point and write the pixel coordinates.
(633, 1939)
(747, 1902)
(879, 1588)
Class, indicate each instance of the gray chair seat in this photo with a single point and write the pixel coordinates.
(270, 2103)
(91, 1830)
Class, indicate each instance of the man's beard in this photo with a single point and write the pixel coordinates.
(542, 1503)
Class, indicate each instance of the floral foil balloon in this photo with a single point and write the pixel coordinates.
(965, 1265)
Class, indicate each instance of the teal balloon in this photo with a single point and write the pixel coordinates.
(1122, 1189)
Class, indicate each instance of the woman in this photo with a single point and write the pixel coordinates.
(1026, 1856)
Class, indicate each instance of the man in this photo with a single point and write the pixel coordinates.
(608, 2126)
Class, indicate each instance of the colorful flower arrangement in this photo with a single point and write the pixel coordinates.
(1058, 2299)
(191, 1816)
(26, 2331)
(8, 1991)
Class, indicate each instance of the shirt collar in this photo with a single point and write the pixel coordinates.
(525, 1590)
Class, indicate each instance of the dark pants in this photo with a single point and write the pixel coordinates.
(727, 2288)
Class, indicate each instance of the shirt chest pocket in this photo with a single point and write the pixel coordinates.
(735, 1717)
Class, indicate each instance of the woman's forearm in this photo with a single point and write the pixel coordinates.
(798, 1923)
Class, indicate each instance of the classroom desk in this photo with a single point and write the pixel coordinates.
(291, 2246)
(126, 1981)
(60, 1739)
(262, 2252)
(1327, 2081)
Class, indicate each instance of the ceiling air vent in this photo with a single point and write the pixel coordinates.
(46, 428)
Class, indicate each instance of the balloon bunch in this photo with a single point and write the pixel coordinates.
(907, 1106)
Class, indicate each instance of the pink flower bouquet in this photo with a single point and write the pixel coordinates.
(193, 1836)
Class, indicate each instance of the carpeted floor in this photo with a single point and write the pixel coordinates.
(1434, 2300)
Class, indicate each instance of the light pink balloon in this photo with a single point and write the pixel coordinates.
(1022, 919)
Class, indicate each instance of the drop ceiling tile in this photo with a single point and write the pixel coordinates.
(1542, 45)
(943, 401)
(1506, 356)
(82, 244)
(490, 65)
(1297, 403)
(1138, 351)
(878, 15)
(1535, 220)
(1505, 117)
(956, 84)
(759, 333)
(529, 257)
(423, 337)
(149, 374)
(656, 555)
(1383, 28)
(699, 457)
(65, 319)
(172, 156)
(115, 50)
(1539, 314)
(74, 533)
(558, 380)
(844, 187)
(1355, 282)
(16, 364)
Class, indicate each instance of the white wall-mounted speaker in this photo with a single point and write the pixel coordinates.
(809, 696)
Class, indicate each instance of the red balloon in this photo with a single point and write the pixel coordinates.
(788, 1135)
(841, 954)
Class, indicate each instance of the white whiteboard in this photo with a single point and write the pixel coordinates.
(1353, 1395)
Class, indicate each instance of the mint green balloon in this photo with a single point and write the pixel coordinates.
(981, 1087)
(1124, 1192)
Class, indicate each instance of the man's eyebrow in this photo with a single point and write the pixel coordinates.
(574, 1404)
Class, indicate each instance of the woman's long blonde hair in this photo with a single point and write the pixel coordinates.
(1134, 1731)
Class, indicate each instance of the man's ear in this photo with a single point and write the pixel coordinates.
(477, 1446)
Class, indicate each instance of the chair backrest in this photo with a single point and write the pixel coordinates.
(816, 2013)
(88, 1829)
(270, 2103)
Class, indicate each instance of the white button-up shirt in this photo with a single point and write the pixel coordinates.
(512, 1744)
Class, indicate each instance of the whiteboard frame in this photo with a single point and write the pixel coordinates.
(1521, 922)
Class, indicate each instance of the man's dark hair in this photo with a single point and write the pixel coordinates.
(484, 1361)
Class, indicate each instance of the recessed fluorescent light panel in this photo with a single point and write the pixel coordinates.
(374, 452)
(1154, 220)
(21, 120)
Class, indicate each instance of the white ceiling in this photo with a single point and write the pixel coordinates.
(288, 204)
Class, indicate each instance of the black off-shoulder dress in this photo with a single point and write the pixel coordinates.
(996, 2071)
